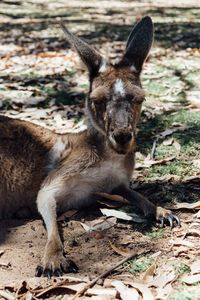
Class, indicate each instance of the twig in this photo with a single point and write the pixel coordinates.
(106, 273)
(24, 296)
(152, 154)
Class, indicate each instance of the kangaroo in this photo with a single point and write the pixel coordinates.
(49, 172)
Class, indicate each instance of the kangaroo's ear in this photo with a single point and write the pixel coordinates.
(91, 58)
(139, 43)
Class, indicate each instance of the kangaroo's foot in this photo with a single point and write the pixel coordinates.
(165, 216)
(54, 263)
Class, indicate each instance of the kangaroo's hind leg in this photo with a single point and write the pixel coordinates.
(53, 262)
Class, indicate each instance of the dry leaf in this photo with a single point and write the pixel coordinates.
(156, 254)
(51, 54)
(64, 285)
(107, 282)
(143, 289)
(181, 250)
(168, 142)
(181, 242)
(5, 264)
(29, 296)
(193, 98)
(173, 142)
(101, 292)
(67, 282)
(124, 291)
(186, 205)
(177, 146)
(34, 283)
(169, 131)
(196, 163)
(194, 178)
(195, 267)
(163, 293)
(191, 279)
(73, 279)
(148, 163)
(100, 225)
(194, 232)
(197, 215)
(120, 251)
(7, 295)
(122, 215)
(125, 239)
(76, 287)
(161, 280)
(194, 224)
(150, 272)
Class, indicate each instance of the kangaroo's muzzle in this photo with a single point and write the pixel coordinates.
(122, 139)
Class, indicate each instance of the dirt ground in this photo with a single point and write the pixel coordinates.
(42, 81)
(22, 244)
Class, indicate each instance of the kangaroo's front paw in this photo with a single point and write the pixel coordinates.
(54, 263)
(165, 216)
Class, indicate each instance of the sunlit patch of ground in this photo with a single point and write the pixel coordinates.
(43, 81)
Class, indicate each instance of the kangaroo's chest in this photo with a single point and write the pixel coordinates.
(109, 173)
(80, 189)
(84, 172)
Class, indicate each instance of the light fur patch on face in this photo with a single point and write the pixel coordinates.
(119, 87)
(133, 68)
(103, 67)
(59, 147)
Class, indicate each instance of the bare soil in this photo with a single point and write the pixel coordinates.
(42, 81)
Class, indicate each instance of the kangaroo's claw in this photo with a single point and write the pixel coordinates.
(58, 273)
(55, 264)
(48, 272)
(166, 217)
(38, 271)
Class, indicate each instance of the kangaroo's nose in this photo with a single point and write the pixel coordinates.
(121, 137)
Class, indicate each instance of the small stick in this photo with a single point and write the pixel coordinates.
(152, 155)
(106, 273)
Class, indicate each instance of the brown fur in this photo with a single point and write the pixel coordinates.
(23, 160)
(60, 172)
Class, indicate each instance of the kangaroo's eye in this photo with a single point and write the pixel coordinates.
(129, 98)
(134, 99)
(138, 100)
(98, 100)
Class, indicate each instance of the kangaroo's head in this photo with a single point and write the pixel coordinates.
(115, 96)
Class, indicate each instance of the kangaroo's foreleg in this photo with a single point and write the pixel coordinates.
(148, 208)
(53, 262)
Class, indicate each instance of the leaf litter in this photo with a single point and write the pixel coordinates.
(33, 67)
